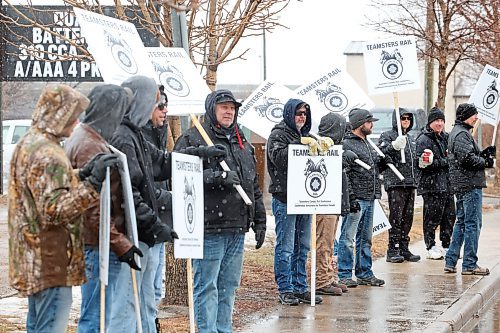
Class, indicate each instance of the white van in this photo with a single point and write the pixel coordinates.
(12, 131)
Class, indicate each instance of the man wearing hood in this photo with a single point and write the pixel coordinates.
(467, 174)
(47, 200)
(293, 231)
(333, 126)
(227, 218)
(366, 189)
(146, 164)
(400, 193)
(108, 103)
(434, 184)
(156, 132)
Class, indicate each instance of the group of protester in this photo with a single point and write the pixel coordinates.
(54, 212)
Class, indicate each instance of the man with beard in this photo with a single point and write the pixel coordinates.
(365, 186)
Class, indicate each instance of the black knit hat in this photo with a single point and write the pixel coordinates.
(358, 117)
(465, 111)
(434, 114)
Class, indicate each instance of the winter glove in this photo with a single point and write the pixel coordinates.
(490, 151)
(399, 143)
(230, 178)
(313, 145)
(217, 151)
(165, 234)
(386, 160)
(348, 157)
(488, 162)
(129, 257)
(354, 206)
(426, 158)
(324, 144)
(260, 234)
(98, 167)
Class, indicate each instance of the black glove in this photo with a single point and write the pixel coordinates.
(386, 160)
(98, 171)
(165, 234)
(217, 151)
(488, 162)
(490, 151)
(86, 170)
(260, 234)
(231, 178)
(348, 157)
(354, 206)
(129, 257)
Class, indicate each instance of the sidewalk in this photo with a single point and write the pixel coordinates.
(417, 297)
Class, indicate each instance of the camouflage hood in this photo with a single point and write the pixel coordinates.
(57, 108)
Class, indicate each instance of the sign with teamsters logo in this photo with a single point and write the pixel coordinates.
(314, 184)
(185, 88)
(115, 45)
(485, 95)
(391, 65)
(187, 205)
(263, 109)
(333, 90)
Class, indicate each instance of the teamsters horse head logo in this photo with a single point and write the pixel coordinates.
(392, 64)
(272, 109)
(315, 177)
(490, 99)
(332, 97)
(121, 52)
(172, 79)
(189, 204)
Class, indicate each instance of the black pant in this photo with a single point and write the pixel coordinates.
(401, 201)
(439, 210)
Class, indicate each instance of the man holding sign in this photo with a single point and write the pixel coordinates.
(227, 217)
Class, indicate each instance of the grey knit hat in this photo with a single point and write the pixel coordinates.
(358, 117)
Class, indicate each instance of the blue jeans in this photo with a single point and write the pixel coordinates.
(159, 274)
(48, 310)
(90, 308)
(216, 278)
(293, 241)
(123, 318)
(357, 226)
(466, 230)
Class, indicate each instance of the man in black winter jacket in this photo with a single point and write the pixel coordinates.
(227, 217)
(434, 184)
(366, 189)
(146, 164)
(401, 193)
(467, 165)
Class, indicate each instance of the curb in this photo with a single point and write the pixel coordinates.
(468, 306)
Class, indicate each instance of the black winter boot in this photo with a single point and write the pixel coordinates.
(410, 256)
(394, 256)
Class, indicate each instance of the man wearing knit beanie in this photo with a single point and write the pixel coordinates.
(467, 175)
(434, 184)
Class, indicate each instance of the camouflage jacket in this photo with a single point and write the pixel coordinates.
(46, 199)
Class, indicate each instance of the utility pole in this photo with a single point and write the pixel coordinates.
(264, 60)
(429, 63)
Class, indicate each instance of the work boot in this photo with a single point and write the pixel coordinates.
(306, 298)
(350, 283)
(329, 290)
(288, 299)
(371, 281)
(343, 287)
(394, 256)
(410, 256)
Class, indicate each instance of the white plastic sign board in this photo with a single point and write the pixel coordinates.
(380, 221)
(128, 199)
(333, 90)
(188, 205)
(263, 109)
(104, 228)
(314, 183)
(185, 88)
(485, 95)
(391, 65)
(116, 46)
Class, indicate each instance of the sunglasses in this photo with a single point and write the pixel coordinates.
(301, 113)
(406, 118)
(161, 106)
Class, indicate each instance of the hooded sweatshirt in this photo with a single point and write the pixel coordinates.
(47, 200)
(283, 134)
